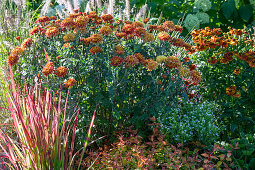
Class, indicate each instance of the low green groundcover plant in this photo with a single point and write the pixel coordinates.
(191, 121)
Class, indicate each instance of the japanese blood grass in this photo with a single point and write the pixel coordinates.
(42, 130)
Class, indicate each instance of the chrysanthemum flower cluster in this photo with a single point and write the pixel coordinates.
(99, 35)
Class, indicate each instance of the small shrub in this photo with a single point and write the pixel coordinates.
(190, 122)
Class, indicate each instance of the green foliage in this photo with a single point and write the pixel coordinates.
(228, 72)
(188, 122)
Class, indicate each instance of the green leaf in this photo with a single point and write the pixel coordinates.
(245, 12)
(228, 8)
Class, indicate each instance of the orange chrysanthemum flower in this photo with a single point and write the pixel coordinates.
(42, 19)
(128, 29)
(34, 30)
(75, 15)
(231, 90)
(69, 83)
(95, 49)
(86, 41)
(252, 62)
(48, 69)
(106, 30)
(107, 18)
(237, 71)
(17, 38)
(52, 31)
(96, 38)
(17, 51)
(61, 71)
(178, 28)
(151, 65)
(69, 37)
(115, 61)
(173, 62)
(131, 60)
(12, 59)
(141, 58)
(169, 25)
(139, 31)
(52, 18)
(68, 23)
(184, 71)
(146, 20)
(27, 43)
(148, 37)
(92, 14)
(195, 76)
(119, 50)
(81, 22)
(164, 36)
(121, 35)
(160, 28)
(237, 94)
(137, 24)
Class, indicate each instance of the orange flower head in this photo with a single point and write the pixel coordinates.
(139, 32)
(146, 20)
(195, 76)
(95, 49)
(237, 94)
(69, 37)
(131, 60)
(116, 61)
(17, 51)
(152, 28)
(106, 30)
(141, 58)
(184, 71)
(231, 90)
(66, 45)
(128, 29)
(169, 25)
(81, 22)
(173, 62)
(18, 38)
(137, 24)
(160, 28)
(164, 36)
(98, 20)
(69, 83)
(12, 59)
(75, 15)
(96, 38)
(178, 42)
(148, 37)
(119, 50)
(121, 35)
(52, 31)
(61, 71)
(34, 30)
(27, 43)
(212, 60)
(237, 71)
(48, 69)
(68, 23)
(52, 18)
(252, 62)
(92, 14)
(178, 28)
(86, 41)
(151, 65)
(42, 19)
(107, 18)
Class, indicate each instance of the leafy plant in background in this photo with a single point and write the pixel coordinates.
(189, 122)
(227, 60)
(120, 65)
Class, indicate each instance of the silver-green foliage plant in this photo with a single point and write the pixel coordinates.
(191, 122)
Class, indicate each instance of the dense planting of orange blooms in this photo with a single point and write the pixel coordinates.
(226, 47)
(77, 25)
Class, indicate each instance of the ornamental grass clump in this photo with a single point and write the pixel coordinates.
(227, 62)
(113, 63)
(45, 135)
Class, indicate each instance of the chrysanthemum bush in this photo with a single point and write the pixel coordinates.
(227, 60)
(191, 121)
(130, 69)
